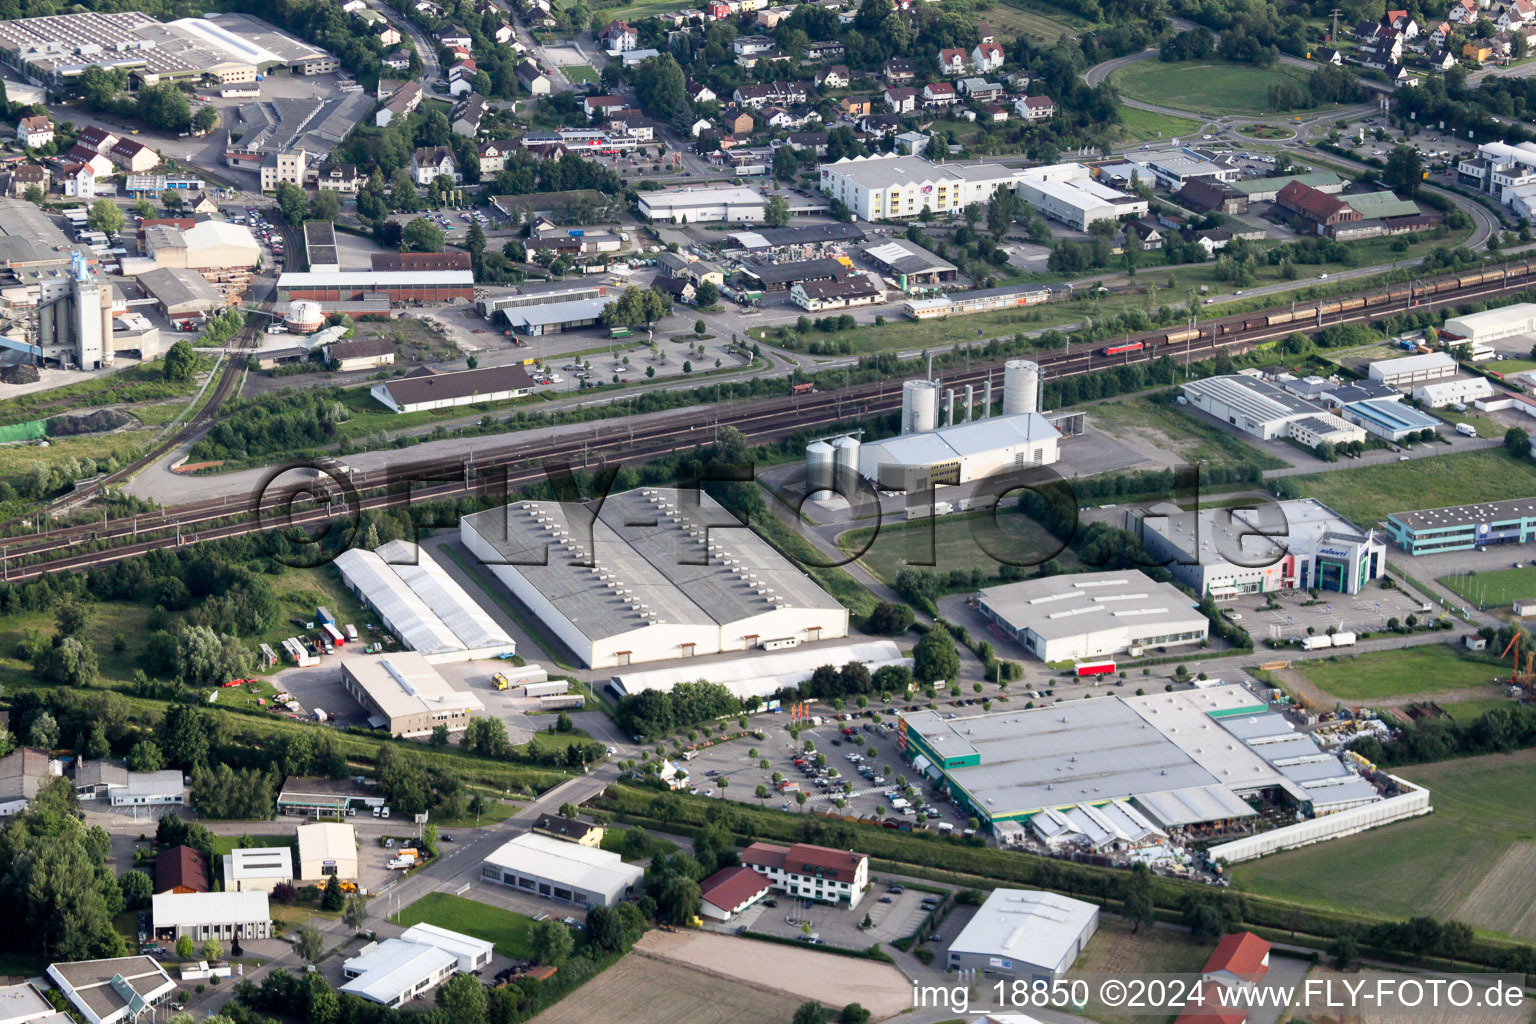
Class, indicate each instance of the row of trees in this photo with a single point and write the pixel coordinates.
(658, 712)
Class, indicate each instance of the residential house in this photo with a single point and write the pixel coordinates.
(406, 99)
(1327, 55)
(1210, 240)
(452, 36)
(494, 154)
(35, 132)
(1442, 61)
(702, 124)
(1439, 34)
(834, 76)
(532, 78)
(619, 37)
(912, 143)
(987, 56)
(133, 156)
(1036, 108)
(504, 33)
(1241, 960)
(901, 100)
(466, 117)
(715, 10)
(1463, 12)
(1402, 22)
(461, 78)
(824, 50)
(979, 90)
(855, 106)
(814, 141)
(939, 94)
(740, 124)
(953, 61)
(747, 46)
(384, 32)
(604, 106)
(698, 92)
(783, 94)
(76, 179)
(97, 140)
(996, 112)
(1477, 50)
(880, 125)
(1143, 233)
(899, 72)
(681, 289)
(205, 205)
(396, 60)
(428, 163)
(25, 176)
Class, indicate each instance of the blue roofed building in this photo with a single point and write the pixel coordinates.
(1389, 419)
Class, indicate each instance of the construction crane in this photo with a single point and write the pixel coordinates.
(1524, 680)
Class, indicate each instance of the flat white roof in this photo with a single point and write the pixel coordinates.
(327, 840)
(405, 683)
(419, 626)
(463, 946)
(687, 199)
(765, 674)
(441, 593)
(188, 909)
(1079, 603)
(565, 864)
(377, 278)
(389, 969)
(1413, 364)
(879, 172)
(1039, 928)
(258, 862)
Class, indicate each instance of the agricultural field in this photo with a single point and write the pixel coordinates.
(1369, 494)
(512, 933)
(1425, 669)
(1137, 125)
(1209, 87)
(1178, 430)
(1497, 590)
(954, 544)
(1039, 21)
(1386, 1012)
(1473, 859)
(639, 990)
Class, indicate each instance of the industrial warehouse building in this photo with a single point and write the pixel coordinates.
(1407, 371)
(311, 797)
(420, 603)
(961, 453)
(225, 916)
(327, 849)
(1441, 393)
(1029, 935)
(320, 249)
(1087, 615)
(985, 300)
(1288, 545)
(1389, 418)
(1464, 527)
(888, 187)
(761, 674)
(703, 205)
(1492, 324)
(1180, 761)
(392, 972)
(910, 266)
(1268, 411)
(562, 871)
(778, 277)
(695, 582)
(406, 696)
(1069, 194)
(257, 869)
(180, 293)
(426, 389)
(110, 991)
(335, 291)
(555, 317)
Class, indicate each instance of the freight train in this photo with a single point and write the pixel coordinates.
(1380, 301)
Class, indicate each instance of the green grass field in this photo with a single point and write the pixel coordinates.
(1210, 87)
(512, 933)
(1498, 589)
(1040, 21)
(1468, 711)
(1137, 125)
(1369, 494)
(1438, 864)
(1194, 439)
(1407, 670)
(954, 544)
(579, 74)
(225, 844)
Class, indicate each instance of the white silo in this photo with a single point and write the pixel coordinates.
(1021, 386)
(919, 406)
(845, 464)
(818, 470)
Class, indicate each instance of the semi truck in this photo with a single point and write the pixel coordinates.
(1317, 643)
(550, 688)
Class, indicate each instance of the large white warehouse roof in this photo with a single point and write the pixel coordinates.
(416, 597)
(764, 674)
(1039, 928)
(569, 864)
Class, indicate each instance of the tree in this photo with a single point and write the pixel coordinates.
(1344, 950)
(308, 944)
(44, 732)
(1404, 172)
(355, 912)
(212, 950)
(164, 106)
(464, 999)
(551, 941)
(106, 217)
(604, 929)
(776, 212)
(324, 205)
(889, 619)
(707, 294)
(332, 899)
(184, 947)
(810, 1012)
(935, 658)
(1137, 897)
(853, 1013)
(206, 119)
(1517, 442)
(137, 889)
(180, 362)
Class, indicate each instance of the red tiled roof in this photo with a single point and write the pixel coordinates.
(1309, 201)
(803, 859)
(181, 867)
(729, 888)
(1211, 1008)
(1242, 954)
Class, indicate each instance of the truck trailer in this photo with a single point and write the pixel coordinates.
(550, 688)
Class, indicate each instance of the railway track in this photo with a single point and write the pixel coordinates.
(758, 420)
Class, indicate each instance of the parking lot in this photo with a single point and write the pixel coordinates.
(893, 912)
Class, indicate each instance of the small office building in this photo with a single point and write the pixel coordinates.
(257, 868)
(211, 915)
(327, 849)
(558, 870)
(115, 990)
(1464, 527)
(729, 891)
(395, 971)
(811, 872)
(404, 695)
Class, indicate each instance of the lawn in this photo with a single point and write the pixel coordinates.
(1030, 18)
(1137, 125)
(956, 544)
(1423, 669)
(1208, 87)
(17, 460)
(512, 933)
(1179, 430)
(1498, 589)
(579, 74)
(109, 621)
(1369, 494)
(1462, 861)
(225, 844)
